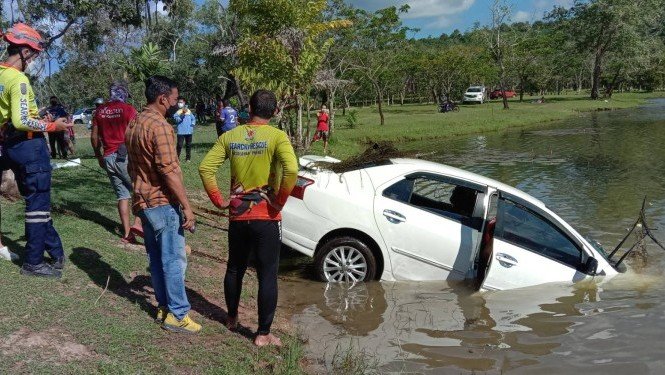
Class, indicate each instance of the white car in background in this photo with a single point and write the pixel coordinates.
(475, 94)
(408, 219)
(82, 115)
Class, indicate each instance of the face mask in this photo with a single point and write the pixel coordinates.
(32, 68)
(171, 111)
(181, 105)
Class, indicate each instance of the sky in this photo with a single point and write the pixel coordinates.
(434, 17)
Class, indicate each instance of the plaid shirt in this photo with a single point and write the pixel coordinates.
(150, 143)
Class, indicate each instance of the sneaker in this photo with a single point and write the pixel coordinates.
(186, 325)
(7, 255)
(162, 311)
(40, 270)
(58, 263)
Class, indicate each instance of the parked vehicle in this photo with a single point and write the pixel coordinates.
(475, 94)
(82, 115)
(448, 106)
(406, 219)
(497, 94)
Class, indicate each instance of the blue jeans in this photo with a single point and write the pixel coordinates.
(165, 245)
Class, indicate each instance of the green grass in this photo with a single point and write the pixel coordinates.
(423, 122)
(38, 318)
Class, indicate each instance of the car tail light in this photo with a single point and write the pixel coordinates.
(299, 190)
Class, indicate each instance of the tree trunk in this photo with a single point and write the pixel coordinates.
(597, 70)
(401, 97)
(380, 107)
(522, 79)
(331, 107)
(299, 120)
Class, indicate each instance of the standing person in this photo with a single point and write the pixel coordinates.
(201, 111)
(243, 115)
(57, 140)
(323, 128)
(109, 124)
(264, 170)
(185, 120)
(218, 114)
(228, 116)
(4, 251)
(161, 202)
(25, 151)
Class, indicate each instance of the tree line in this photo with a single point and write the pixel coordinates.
(325, 51)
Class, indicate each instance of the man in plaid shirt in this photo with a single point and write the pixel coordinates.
(160, 200)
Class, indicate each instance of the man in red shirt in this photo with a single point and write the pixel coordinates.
(108, 133)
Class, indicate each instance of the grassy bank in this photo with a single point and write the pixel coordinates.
(79, 325)
(423, 122)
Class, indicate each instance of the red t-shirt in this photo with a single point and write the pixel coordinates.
(323, 122)
(111, 119)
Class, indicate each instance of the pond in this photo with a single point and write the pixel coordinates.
(594, 171)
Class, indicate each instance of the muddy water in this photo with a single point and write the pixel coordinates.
(594, 171)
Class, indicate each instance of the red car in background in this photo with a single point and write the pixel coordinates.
(497, 94)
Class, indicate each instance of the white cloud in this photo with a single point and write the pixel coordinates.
(521, 16)
(438, 13)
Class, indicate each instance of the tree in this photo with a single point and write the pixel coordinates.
(499, 42)
(376, 39)
(280, 47)
(601, 27)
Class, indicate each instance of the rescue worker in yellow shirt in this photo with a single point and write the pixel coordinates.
(24, 150)
(264, 170)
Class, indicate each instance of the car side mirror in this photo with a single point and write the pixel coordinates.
(591, 266)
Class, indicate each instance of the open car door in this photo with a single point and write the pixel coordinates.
(529, 248)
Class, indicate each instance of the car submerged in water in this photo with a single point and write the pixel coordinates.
(410, 219)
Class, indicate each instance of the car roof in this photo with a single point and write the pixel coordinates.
(447, 170)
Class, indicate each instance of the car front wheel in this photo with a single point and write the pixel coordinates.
(345, 259)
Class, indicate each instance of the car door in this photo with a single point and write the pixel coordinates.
(427, 236)
(528, 248)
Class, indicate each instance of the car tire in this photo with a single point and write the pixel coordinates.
(361, 264)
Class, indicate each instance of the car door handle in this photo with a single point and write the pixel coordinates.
(394, 217)
(506, 260)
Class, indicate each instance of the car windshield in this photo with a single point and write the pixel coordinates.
(79, 111)
(474, 89)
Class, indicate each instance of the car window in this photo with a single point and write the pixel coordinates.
(436, 196)
(474, 89)
(524, 228)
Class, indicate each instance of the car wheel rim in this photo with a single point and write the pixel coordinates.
(345, 263)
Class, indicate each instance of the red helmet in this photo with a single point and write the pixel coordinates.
(24, 35)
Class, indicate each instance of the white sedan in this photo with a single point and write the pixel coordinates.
(409, 219)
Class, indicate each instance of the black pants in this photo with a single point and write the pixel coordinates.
(188, 145)
(58, 139)
(262, 237)
(218, 127)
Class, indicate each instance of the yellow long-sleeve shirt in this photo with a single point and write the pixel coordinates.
(260, 155)
(17, 102)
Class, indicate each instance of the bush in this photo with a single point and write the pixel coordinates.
(352, 119)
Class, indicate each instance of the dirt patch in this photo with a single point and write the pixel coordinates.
(45, 344)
